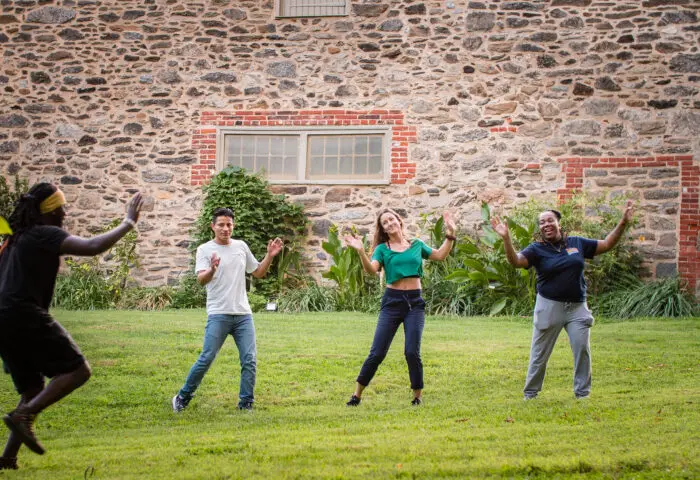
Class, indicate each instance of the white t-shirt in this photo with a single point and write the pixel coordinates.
(226, 291)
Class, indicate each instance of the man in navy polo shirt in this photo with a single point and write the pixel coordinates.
(561, 294)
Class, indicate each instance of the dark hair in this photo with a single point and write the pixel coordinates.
(380, 236)
(564, 235)
(221, 212)
(26, 213)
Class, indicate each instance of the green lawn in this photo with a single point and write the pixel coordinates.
(642, 420)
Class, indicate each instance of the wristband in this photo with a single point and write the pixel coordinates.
(451, 237)
(130, 222)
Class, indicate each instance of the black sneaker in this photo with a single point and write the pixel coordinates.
(416, 401)
(8, 463)
(22, 425)
(354, 401)
(245, 406)
(179, 403)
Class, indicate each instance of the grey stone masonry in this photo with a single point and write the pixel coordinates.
(105, 98)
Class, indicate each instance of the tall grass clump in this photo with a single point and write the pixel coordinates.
(659, 298)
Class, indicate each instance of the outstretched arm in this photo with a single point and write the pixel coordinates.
(450, 229)
(73, 245)
(274, 247)
(514, 258)
(614, 236)
(370, 266)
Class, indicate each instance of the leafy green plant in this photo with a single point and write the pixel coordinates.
(659, 298)
(592, 216)
(123, 256)
(484, 264)
(443, 296)
(8, 197)
(189, 293)
(83, 287)
(347, 272)
(257, 302)
(260, 216)
(9, 194)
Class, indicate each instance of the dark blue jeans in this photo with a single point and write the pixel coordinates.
(398, 306)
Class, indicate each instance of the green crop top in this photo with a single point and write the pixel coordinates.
(398, 265)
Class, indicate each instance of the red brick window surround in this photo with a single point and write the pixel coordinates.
(204, 137)
(575, 170)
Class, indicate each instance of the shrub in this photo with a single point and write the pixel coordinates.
(481, 261)
(260, 216)
(10, 194)
(83, 287)
(660, 298)
(307, 297)
(145, 298)
(189, 293)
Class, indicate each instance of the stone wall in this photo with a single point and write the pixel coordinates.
(505, 100)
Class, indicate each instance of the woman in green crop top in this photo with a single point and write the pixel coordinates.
(402, 261)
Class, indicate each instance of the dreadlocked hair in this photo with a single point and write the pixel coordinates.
(26, 213)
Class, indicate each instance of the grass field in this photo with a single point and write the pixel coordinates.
(641, 421)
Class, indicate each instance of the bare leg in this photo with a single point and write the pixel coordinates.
(13, 442)
(359, 388)
(56, 389)
(418, 393)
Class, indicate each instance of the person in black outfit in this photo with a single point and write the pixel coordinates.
(32, 344)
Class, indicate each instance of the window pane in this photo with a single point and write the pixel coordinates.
(277, 145)
(291, 146)
(234, 145)
(248, 145)
(316, 145)
(346, 145)
(360, 145)
(331, 145)
(361, 166)
(375, 165)
(248, 162)
(290, 168)
(346, 166)
(375, 145)
(316, 166)
(276, 166)
(331, 166)
(263, 147)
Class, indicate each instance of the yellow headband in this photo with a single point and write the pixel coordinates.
(52, 202)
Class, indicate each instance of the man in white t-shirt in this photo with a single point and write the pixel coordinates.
(221, 265)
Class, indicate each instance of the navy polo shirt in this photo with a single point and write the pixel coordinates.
(560, 272)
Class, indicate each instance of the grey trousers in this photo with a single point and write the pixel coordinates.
(549, 318)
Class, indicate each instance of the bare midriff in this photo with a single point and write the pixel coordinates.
(409, 283)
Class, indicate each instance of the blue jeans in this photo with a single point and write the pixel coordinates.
(241, 328)
(398, 306)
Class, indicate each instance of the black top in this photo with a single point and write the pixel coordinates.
(29, 265)
(560, 268)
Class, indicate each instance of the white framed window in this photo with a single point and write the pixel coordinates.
(317, 155)
(311, 8)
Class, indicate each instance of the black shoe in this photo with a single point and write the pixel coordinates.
(8, 463)
(22, 425)
(179, 403)
(354, 401)
(416, 401)
(245, 406)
